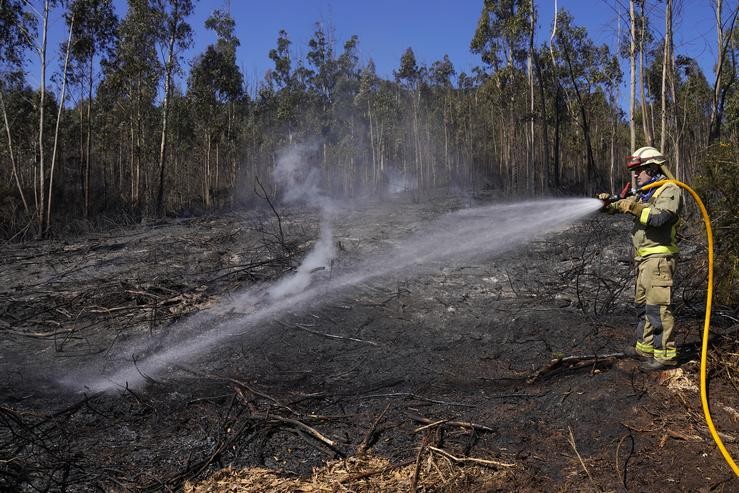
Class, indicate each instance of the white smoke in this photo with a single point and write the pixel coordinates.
(302, 184)
(399, 182)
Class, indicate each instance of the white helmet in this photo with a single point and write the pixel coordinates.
(645, 156)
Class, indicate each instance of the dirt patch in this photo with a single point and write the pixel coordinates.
(512, 359)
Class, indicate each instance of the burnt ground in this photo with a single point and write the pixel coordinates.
(451, 367)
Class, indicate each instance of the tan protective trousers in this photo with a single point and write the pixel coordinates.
(655, 327)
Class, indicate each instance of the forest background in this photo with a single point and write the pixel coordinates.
(122, 127)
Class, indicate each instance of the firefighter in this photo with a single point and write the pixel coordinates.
(656, 213)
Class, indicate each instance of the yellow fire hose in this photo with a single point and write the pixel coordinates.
(707, 324)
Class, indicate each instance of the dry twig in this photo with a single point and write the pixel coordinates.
(622, 477)
(330, 336)
(463, 424)
(571, 441)
(474, 460)
(369, 436)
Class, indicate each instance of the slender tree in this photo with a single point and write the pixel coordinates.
(215, 86)
(632, 80)
(94, 35)
(409, 76)
(643, 38)
(55, 145)
(16, 36)
(666, 66)
(176, 35)
(41, 176)
(725, 76)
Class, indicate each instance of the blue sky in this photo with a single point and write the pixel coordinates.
(431, 27)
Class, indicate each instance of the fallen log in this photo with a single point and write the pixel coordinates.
(571, 363)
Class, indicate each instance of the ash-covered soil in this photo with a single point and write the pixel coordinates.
(509, 363)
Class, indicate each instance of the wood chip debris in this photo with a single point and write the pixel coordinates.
(369, 473)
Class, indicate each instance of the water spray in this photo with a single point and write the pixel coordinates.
(479, 232)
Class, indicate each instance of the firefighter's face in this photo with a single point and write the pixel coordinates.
(642, 175)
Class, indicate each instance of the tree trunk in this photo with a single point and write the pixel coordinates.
(676, 131)
(632, 81)
(41, 200)
(557, 101)
(546, 179)
(719, 90)
(206, 174)
(529, 62)
(168, 68)
(88, 139)
(644, 111)
(58, 121)
(447, 117)
(666, 65)
(590, 171)
(557, 119)
(14, 167)
(375, 174)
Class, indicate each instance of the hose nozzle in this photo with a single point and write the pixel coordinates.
(609, 200)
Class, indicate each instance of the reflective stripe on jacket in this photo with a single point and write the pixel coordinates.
(655, 229)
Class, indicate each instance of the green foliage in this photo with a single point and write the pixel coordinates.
(95, 28)
(502, 32)
(215, 76)
(717, 184)
(17, 31)
(281, 75)
(408, 74)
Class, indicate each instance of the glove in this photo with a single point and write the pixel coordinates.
(606, 198)
(628, 206)
(624, 205)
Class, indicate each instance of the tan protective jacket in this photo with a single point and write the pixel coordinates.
(655, 229)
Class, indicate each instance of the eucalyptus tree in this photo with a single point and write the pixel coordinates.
(283, 84)
(502, 39)
(410, 77)
(645, 38)
(175, 36)
(558, 103)
(40, 171)
(215, 86)
(365, 100)
(441, 74)
(694, 97)
(67, 49)
(666, 68)
(351, 153)
(130, 85)
(502, 31)
(534, 58)
(585, 65)
(17, 30)
(94, 32)
(320, 77)
(632, 73)
(726, 66)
